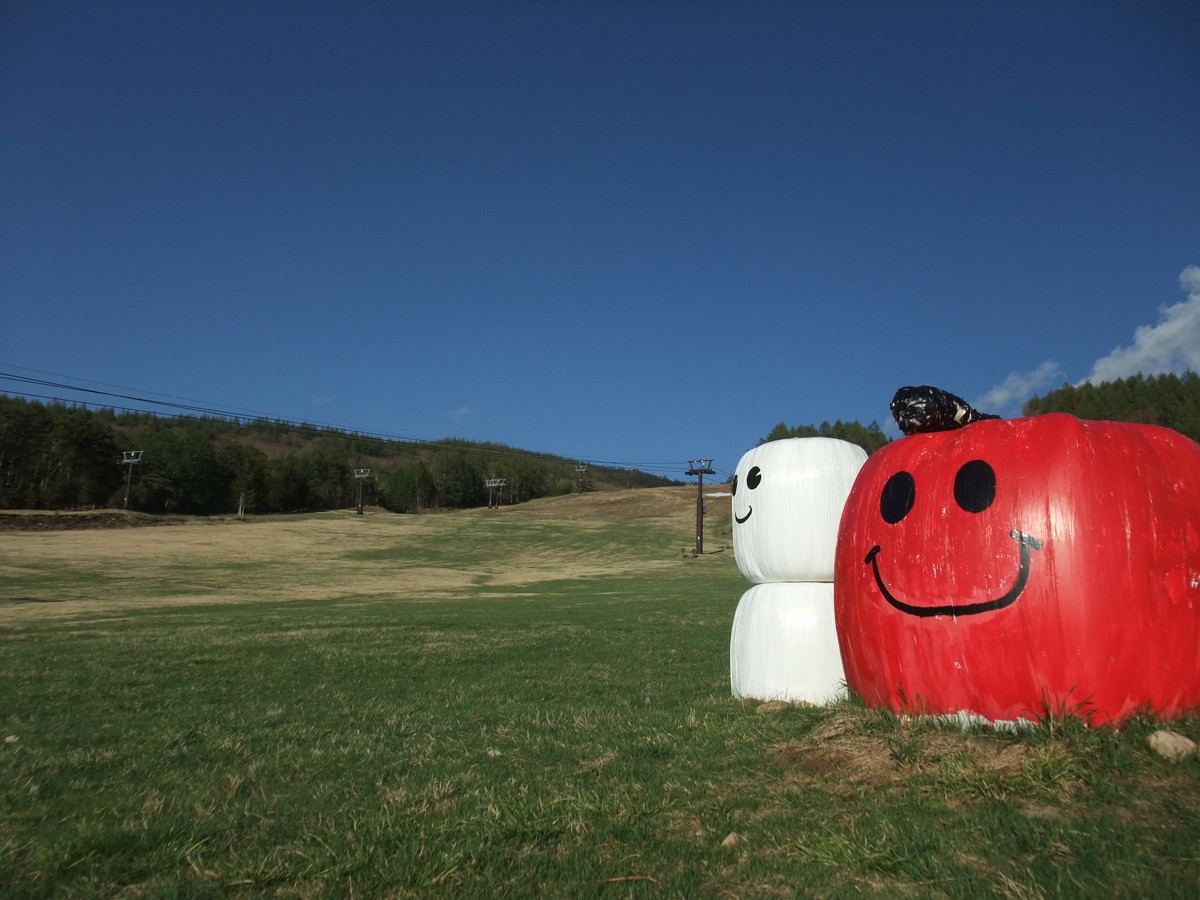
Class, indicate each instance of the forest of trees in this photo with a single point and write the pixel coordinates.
(869, 437)
(55, 456)
(1172, 401)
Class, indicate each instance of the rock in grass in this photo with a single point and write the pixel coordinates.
(772, 706)
(1174, 747)
(732, 839)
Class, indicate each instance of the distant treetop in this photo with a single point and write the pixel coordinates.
(869, 437)
(1172, 401)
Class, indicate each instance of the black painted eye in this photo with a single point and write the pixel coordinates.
(897, 497)
(754, 477)
(975, 486)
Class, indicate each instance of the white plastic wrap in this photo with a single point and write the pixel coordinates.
(784, 644)
(787, 500)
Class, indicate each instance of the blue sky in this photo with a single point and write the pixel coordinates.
(624, 232)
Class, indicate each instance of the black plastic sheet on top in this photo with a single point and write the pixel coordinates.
(925, 408)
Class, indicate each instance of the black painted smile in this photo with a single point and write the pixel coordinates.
(1025, 540)
(741, 519)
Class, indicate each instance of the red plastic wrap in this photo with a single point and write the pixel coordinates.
(1020, 566)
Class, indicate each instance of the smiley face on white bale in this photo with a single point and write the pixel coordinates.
(787, 499)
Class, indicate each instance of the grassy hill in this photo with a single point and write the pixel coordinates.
(524, 702)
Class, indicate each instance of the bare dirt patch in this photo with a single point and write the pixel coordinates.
(841, 748)
(72, 520)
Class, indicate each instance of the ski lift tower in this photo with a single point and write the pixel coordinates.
(129, 459)
(700, 468)
(496, 484)
(579, 470)
(360, 475)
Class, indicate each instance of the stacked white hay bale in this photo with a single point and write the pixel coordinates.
(787, 499)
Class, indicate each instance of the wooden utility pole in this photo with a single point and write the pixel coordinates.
(580, 469)
(700, 468)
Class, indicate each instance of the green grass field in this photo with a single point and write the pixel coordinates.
(502, 704)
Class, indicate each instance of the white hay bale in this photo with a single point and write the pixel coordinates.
(784, 644)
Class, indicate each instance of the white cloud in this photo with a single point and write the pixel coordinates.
(1006, 398)
(1172, 345)
(324, 399)
(461, 413)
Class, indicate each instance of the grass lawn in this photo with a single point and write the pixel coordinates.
(525, 702)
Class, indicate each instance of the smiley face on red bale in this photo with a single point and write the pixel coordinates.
(1017, 566)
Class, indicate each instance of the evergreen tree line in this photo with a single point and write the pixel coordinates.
(1172, 401)
(869, 437)
(55, 456)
